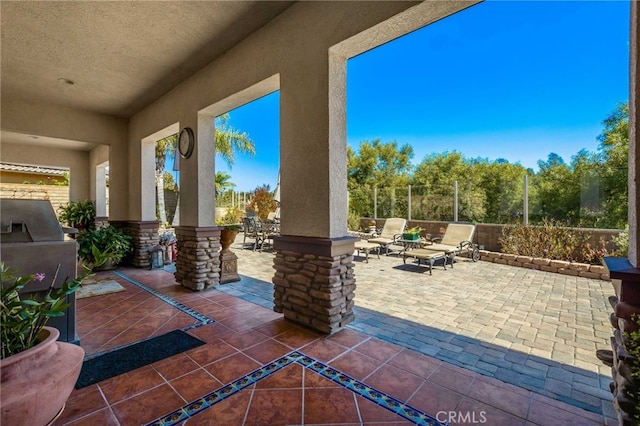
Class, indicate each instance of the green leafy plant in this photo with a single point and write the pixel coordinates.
(353, 221)
(78, 214)
(622, 242)
(23, 320)
(414, 230)
(106, 241)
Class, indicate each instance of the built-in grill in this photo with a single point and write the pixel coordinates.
(32, 241)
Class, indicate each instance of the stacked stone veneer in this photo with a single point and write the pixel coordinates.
(314, 290)
(198, 261)
(144, 236)
(558, 266)
(624, 319)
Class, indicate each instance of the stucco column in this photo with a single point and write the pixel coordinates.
(198, 261)
(625, 273)
(314, 279)
(634, 135)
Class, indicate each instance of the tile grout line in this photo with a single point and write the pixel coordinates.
(204, 319)
(201, 318)
(357, 387)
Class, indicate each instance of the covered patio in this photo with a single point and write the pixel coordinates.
(502, 353)
(90, 85)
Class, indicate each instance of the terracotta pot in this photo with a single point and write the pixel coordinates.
(36, 383)
(227, 237)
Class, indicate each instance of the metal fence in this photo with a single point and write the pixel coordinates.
(464, 202)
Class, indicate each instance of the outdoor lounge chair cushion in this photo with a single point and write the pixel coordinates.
(431, 256)
(393, 227)
(455, 234)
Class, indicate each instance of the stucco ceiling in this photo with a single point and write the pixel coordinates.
(120, 56)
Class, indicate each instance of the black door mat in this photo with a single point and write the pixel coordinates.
(135, 356)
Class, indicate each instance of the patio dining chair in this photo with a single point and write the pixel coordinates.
(251, 229)
(391, 232)
(267, 231)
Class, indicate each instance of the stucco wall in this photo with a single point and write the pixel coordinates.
(71, 125)
(76, 161)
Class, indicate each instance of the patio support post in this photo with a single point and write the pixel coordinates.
(314, 281)
(375, 203)
(455, 201)
(409, 203)
(198, 261)
(144, 235)
(525, 201)
(625, 273)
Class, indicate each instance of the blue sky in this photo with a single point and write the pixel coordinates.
(513, 80)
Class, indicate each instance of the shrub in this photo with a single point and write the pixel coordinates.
(263, 202)
(353, 221)
(622, 242)
(111, 242)
(550, 241)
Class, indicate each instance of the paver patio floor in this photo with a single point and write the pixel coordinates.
(534, 329)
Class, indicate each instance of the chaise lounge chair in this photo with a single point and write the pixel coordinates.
(457, 239)
(391, 231)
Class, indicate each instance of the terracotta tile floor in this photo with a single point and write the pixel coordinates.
(257, 368)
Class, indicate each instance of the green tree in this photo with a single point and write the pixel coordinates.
(613, 155)
(434, 179)
(230, 141)
(500, 185)
(377, 165)
(165, 147)
(169, 181)
(223, 183)
(558, 196)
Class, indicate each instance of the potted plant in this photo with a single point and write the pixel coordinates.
(37, 372)
(110, 242)
(412, 233)
(228, 260)
(78, 214)
(231, 225)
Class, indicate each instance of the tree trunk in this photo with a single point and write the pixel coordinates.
(176, 215)
(162, 213)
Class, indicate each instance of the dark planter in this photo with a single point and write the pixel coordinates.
(412, 236)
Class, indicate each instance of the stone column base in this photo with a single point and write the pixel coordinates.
(314, 281)
(145, 235)
(198, 262)
(625, 320)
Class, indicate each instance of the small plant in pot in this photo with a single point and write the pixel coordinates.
(412, 233)
(78, 214)
(106, 241)
(230, 223)
(37, 372)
